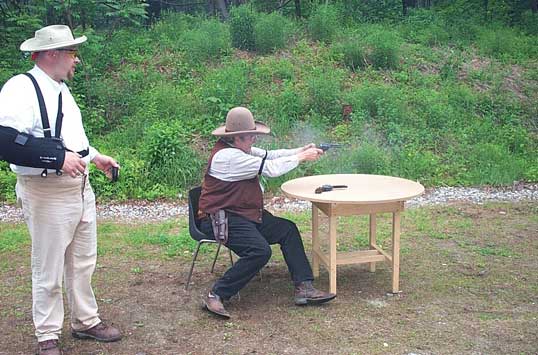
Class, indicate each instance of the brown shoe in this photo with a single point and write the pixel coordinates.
(49, 347)
(100, 332)
(213, 304)
(305, 293)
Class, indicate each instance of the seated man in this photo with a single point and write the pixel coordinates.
(231, 184)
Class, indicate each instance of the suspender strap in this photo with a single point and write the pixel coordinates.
(59, 118)
(45, 117)
(42, 108)
(263, 163)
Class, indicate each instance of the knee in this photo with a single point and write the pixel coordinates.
(264, 254)
(292, 230)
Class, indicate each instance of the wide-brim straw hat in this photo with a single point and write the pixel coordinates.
(51, 37)
(240, 120)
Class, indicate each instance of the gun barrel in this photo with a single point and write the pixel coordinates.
(326, 146)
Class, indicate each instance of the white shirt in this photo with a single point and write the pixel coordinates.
(232, 164)
(19, 109)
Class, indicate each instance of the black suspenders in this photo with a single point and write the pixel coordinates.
(45, 117)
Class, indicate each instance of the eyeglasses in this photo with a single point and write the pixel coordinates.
(70, 51)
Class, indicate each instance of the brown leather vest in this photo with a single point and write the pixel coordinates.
(242, 197)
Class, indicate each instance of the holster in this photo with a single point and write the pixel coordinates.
(219, 221)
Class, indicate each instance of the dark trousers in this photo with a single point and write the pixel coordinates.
(250, 241)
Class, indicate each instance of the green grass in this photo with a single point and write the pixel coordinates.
(481, 277)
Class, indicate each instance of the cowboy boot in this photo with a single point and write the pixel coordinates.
(305, 293)
(213, 303)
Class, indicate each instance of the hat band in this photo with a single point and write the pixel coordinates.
(241, 130)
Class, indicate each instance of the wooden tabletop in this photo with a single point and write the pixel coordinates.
(362, 188)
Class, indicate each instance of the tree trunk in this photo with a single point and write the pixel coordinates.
(534, 6)
(298, 8)
(404, 7)
(221, 5)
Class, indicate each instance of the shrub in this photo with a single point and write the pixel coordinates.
(168, 32)
(352, 53)
(426, 27)
(373, 10)
(323, 24)
(493, 164)
(242, 22)
(223, 89)
(324, 93)
(7, 182)
(209, 41)
(171, 160)
(502, 43)
(529, 23)
(271, 32)
(384, 49)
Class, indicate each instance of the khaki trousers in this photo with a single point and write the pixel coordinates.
(61, 218)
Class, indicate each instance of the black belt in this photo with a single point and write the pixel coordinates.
(84, 152)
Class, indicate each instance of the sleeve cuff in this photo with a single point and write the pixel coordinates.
(93, 153)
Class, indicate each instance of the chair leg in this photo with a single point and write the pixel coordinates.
(192, 265)
(215, 258)
(231, 257)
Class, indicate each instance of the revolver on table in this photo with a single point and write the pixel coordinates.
(326, 188)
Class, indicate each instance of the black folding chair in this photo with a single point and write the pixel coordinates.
(196, 234)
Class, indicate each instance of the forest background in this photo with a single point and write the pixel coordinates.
(443, 92)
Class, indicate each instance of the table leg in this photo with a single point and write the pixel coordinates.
(372, 238)
(315, 241)
(332, 253)
(395, 251)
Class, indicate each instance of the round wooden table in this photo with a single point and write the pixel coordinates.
(365, 194)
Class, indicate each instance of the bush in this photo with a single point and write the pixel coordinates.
(242, 22)
(271, 32)
(426, 27)
(171, 160)
(503, 43)
(493, 164)
(323, 24)
(529, 23)
(210, 40)
(352, 53)
(384, 49)
(7, 182)
(324, 93)
(372, 10)
(223, 89)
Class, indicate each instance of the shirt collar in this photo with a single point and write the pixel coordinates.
(41, 76)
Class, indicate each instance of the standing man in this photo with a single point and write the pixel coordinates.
(231, 185)
(53, 187)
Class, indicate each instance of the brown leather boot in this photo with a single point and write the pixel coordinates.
(100, 332)
(49, 347)
(213, 304)
(305, 293)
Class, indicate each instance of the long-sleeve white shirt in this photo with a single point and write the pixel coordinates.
(231, 164)
(19, 109)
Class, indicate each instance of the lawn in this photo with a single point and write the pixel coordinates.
(469, 281)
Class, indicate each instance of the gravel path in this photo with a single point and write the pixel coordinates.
(146, 211)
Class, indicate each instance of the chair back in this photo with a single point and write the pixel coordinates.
(194, 197)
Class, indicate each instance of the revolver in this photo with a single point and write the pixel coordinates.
(326, 146)
(326, 188)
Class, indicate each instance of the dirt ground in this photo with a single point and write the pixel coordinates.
(469, 281)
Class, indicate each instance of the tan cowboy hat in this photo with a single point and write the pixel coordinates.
(240, 120)
(51, 37)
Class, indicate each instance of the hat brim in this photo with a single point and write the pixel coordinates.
(260, 128)
(32, 45)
